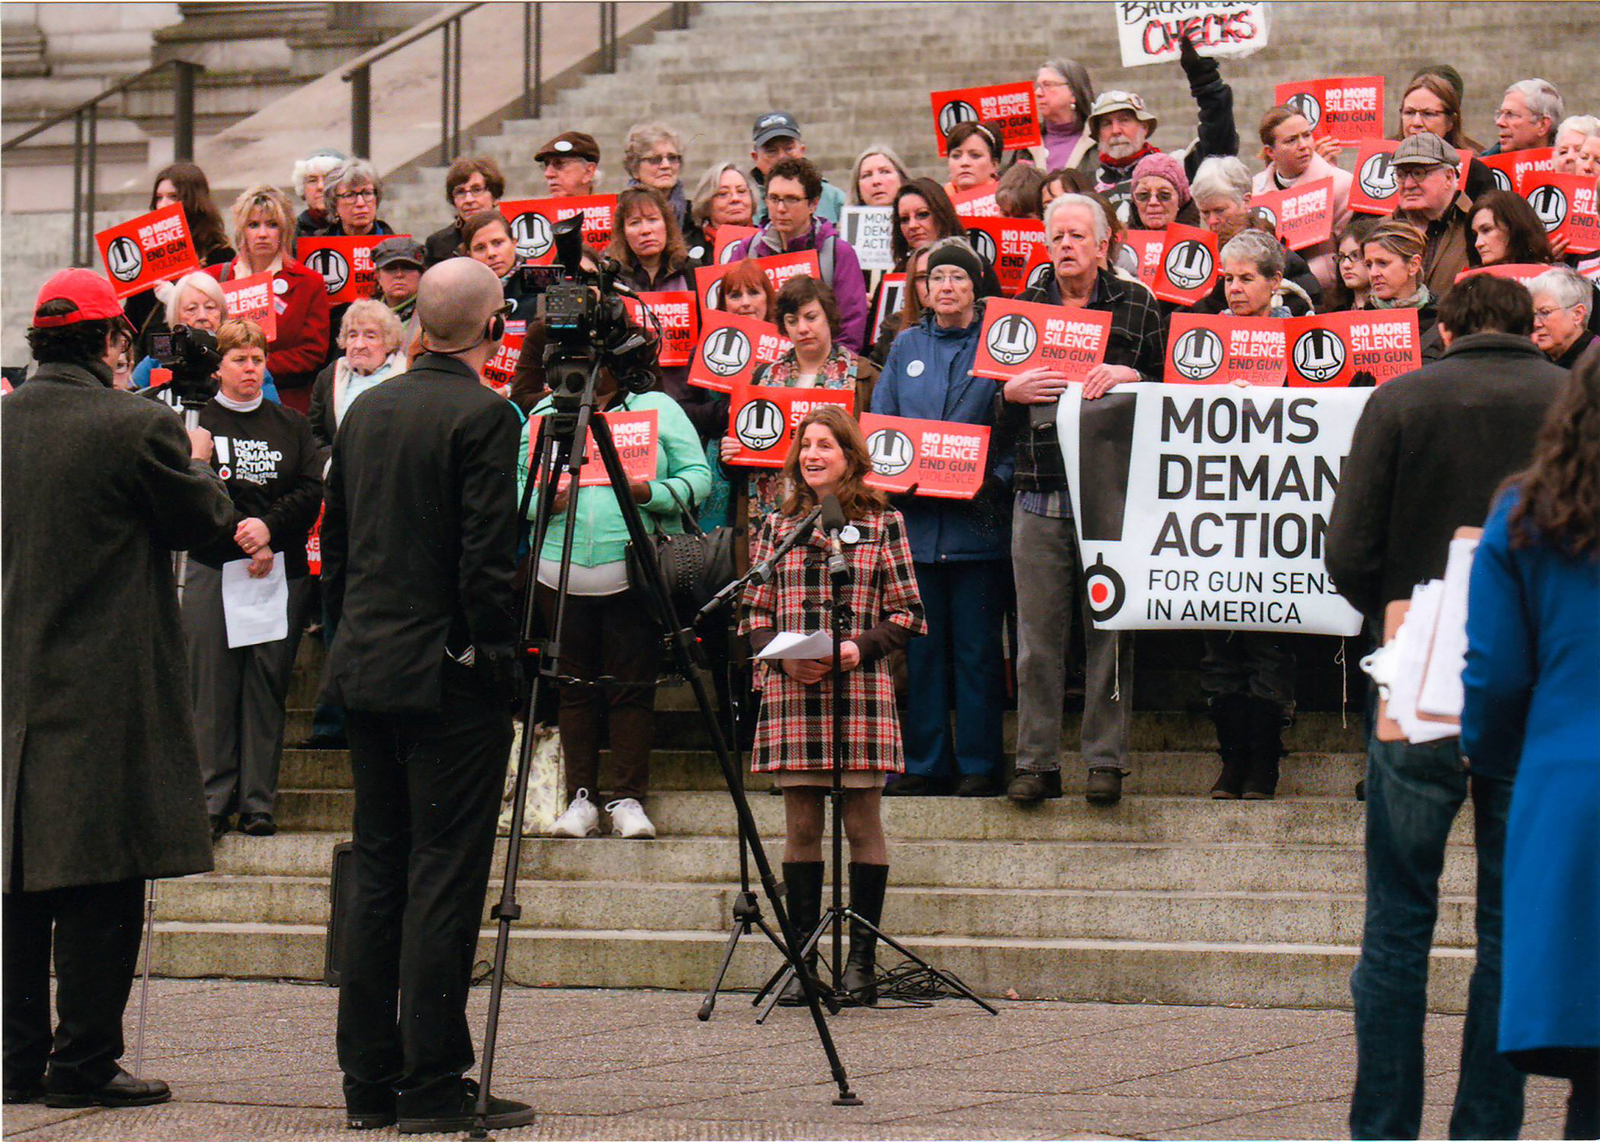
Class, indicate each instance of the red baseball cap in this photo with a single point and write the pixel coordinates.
(85, 289)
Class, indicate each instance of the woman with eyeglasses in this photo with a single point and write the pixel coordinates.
(1351, 289)
(723, 197)
(1431, 103)
(473, 183)
(186, 184)
(354, 190)
(653, 158)
(1064, 93)
(1161, 193)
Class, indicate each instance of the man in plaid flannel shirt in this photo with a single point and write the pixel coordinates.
(1044, 544)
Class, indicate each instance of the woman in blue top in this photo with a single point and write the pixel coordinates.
(608, 630)
(960, 548)
(1532, 713)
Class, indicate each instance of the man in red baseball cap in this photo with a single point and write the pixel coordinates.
(102, 787)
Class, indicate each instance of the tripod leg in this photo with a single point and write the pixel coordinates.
(949, 979)
(709, 1003)
(776, 984)
(144, 976)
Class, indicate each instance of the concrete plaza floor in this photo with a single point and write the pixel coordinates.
(256, 1061)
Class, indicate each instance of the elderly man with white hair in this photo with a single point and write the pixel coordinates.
(1563, 301)
(1578, 145)
(1529, 112)
(1050, 576)
(307, 179)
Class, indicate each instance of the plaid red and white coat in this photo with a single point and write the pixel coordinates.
(796, 726)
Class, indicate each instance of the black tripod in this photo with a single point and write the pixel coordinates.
(838, 915)
(561, 449)
(746, 905)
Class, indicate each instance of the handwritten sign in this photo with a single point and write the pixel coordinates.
(762, 418)
(1219, 349)
(533, 223)
(675, 316)
(1327, 350)
(151, 248)
(345, 264)
(869, 231)
(1347, 109)
(1010, 105)
(1022, 335)
(1302, 214)
(779, 268)
(1188, 266)
(251, 298)
(731, 348)
(937, 457)
(1565, 204)
(1009, 245)
(1376, 182)
(978, 202)
(1150, 32)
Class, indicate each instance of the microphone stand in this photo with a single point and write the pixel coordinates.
(747, 905)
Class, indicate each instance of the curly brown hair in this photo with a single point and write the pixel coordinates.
(1560, 490)
(857, 500)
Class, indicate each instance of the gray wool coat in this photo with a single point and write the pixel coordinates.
(101, 779)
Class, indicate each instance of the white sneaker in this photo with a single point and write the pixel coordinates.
(581, 819)
(629, 822)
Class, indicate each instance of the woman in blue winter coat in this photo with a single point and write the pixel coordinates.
(960, 548)
(1532, 713)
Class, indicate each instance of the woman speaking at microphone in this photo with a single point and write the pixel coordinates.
(794, 738)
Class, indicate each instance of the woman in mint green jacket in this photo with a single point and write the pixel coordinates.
(608, 631)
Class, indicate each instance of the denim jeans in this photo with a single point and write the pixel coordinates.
(963, 601)
(1413, 794)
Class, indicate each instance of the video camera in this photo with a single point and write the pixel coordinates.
(191, 354)
(586, 323)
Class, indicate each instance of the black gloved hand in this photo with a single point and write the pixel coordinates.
(1200, 69)
(1363, 380)
(498, 671)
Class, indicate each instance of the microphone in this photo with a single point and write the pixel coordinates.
(832, 522)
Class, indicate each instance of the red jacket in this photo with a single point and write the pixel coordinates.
(301, 347)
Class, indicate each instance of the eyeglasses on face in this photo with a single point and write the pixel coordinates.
(470, 189)
(365, 194)
(1543, 313)
(784, 200)
(1422, 113)
(671, 160)
(1144, 197)
(1415, 174)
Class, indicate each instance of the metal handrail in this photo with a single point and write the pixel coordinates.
(86, 139)
(116, 89)
(406, 39)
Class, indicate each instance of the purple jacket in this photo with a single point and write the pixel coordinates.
(849, 286)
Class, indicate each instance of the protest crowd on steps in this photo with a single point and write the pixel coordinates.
(900, 302)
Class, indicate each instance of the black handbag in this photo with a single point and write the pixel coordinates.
(696, 565)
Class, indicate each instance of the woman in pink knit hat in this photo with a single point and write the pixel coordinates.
(1161, 193)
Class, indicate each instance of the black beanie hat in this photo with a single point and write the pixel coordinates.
(960, 255)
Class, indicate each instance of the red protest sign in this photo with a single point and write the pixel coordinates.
(1021, 335)
(1188, 267)
(674, 315)
(1347, 109)
(727, 238)
(1590, 269)
(1375, 183)
(1565, 204)
(891, 297)
(251, 298)
(533, 221)
(151, 248)
(1516, 271)
(1009, 245)
(1302, 214)
(730, 349)
(1511, 167)
(1219, 349)
(779, 268)
(762, 419)
(345, 264)
(500, 368)
(1327, 350)
(1039, 271)
(1011, 105)
(1147, 246)
(635, 433)
(979, 202)
(938, 457)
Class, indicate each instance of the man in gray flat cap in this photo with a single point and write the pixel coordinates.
(419, 544)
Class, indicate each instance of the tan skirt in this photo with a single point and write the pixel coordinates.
(823, 778)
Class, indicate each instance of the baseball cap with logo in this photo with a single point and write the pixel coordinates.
(85, 289)
(1424, 149)
(401, 250)
(1109, 101)
(569, 144)
(774, 125)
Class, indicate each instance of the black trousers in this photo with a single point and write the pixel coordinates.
(427, 796)
(95, 930)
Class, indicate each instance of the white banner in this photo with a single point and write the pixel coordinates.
(1206, 506)
(870, 232)
(1150, 32)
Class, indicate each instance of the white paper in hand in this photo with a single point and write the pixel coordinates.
(255, 610)
(788, 644)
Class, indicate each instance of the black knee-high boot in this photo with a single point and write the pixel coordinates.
(803, 899)
(867, 885)
(1264, 725)
(1231, 715)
